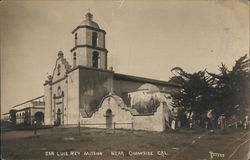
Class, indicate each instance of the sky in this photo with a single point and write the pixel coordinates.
(144, 38)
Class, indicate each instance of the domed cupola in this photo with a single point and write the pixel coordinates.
(89, 21)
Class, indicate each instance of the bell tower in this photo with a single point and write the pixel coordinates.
(89, 44)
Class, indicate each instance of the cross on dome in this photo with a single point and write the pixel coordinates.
(89, 16)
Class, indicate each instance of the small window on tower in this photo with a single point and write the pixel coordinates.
(74, 59)
(94, 39)
(58, 69)
(75, 39)
(95, 59)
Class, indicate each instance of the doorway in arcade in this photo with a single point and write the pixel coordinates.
(39, 118)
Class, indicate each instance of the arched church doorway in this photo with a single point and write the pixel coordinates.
(39, 118)
(58, 117)
(109, 118)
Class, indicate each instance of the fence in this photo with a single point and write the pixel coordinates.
(108, 125)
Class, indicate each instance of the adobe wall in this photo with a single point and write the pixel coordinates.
(155, 122)
(121, 114)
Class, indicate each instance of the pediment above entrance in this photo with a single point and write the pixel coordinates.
(61, 68)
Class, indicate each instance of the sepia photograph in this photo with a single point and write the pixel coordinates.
(125, 79)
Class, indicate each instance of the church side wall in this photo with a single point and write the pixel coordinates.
(125, 86)
(94, 85)
(73, 97)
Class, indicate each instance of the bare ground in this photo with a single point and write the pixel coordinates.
(183, 144)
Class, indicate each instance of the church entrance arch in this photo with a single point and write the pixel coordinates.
(58, 117)
(39, 118)
(109, 118)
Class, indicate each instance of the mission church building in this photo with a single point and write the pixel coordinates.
(87, 92)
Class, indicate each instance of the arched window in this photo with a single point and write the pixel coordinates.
(76, 39)
(95, 59)
(94, 38)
